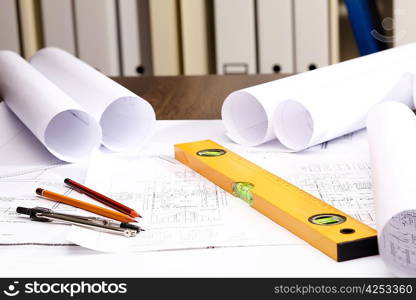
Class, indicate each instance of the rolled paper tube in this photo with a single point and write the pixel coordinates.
(313, 107)
(60, 124)
(392, 138)
(126, 119)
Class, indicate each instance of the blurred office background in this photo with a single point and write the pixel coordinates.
(196, 37)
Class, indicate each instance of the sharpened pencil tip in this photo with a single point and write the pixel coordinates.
(39, 191)
(134, 214)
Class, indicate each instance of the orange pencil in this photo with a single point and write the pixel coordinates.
(85, 205)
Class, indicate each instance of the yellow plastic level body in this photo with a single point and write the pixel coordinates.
(328, 229)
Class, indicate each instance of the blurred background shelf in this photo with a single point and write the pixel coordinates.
(199, 37)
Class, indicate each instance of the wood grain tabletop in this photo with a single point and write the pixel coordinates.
(190, 97)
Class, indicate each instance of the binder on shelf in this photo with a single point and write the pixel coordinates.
(58, 24)
(134, 29)
(312, 34)
(30, 27)
(145, 35)
(164, 24)
(404, 24)
(9, 27)
(275, 36)
(366, 25)
(235, 39)
(97, 36)
(195, 37)
(334, 31)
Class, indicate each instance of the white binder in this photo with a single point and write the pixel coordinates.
(404, 22)
(134, 29)
(312, 34)
(164, 24)
(195, 39)
(58, 24)
(235, 39)
(97, 37)
(9, 28)
(275, 36)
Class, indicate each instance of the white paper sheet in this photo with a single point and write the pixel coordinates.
(182, 210)
(126, 119)
(392, 138)
(316, 106)
(19, 148)
(18, 145)
(18, 185)
(47, 111)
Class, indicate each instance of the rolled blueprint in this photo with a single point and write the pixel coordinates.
(126, 119)
(392, 139)
(61, 124)
(312, 107)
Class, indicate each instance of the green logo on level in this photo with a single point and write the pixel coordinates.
(211, 152)
(242, 190)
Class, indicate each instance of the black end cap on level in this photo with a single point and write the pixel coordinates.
(358, 248)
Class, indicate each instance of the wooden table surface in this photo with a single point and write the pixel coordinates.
(190, 97)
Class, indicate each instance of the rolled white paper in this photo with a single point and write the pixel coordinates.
(126, 119)
(312, 107)
(392, 138)
(59, 123)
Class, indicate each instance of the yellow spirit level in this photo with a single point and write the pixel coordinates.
(326, 228)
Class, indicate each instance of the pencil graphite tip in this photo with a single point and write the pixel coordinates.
(39, 191)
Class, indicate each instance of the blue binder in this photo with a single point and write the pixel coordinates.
(365, 21)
